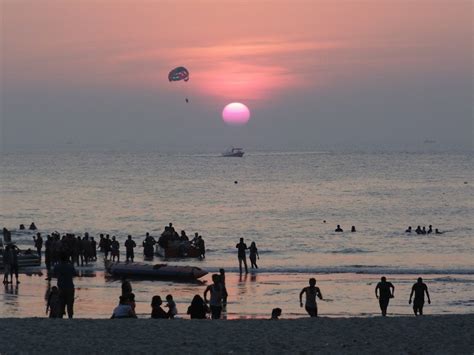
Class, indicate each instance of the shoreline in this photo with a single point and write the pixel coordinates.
(434, 334)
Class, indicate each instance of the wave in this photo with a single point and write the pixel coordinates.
(356, 269)
(350, 251)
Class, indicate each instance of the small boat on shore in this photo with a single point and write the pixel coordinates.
(177, 249)
(234, 152)
(26, 258)
(157, 271)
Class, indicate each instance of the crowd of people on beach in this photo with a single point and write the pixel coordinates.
(62, 252)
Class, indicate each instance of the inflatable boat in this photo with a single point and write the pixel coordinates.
(157, 271)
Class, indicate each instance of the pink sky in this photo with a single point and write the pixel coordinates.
(234, 50)
(372, 67)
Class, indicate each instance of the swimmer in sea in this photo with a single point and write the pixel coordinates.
(408, 230)
(339, 229)
(311, 292)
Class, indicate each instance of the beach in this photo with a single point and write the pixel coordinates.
(451, 334)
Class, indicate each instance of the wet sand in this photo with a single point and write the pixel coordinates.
(452, 334)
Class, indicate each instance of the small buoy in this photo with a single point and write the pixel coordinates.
(324, 221)
(236, 182)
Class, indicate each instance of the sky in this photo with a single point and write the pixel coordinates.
(93, 74)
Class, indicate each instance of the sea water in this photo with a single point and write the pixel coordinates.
(289, 203)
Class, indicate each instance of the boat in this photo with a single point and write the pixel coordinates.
(177, 249)
(26, 258)
(157, 271)
(234, 152)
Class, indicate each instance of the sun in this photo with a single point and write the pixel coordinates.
(236, 114)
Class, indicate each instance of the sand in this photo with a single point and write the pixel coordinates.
(451, 334)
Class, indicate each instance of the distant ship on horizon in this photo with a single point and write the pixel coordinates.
(234, 152)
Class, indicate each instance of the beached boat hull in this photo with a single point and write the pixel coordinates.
(158, 271)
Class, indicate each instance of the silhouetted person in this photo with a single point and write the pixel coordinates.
(384, 291)
(198, 308)
(353, 229)
(423, 231)
(22, 227)
(65, 272)
(33, 226)
(408, 230)
(430, 229)
(222, 280)
(339, 229)
(276, 312)
(156, 310)
(217, 293)
(311, 293)
(202, 247)
(253, 255)
(126, 287)
(38, 244)
(241, 248)
(419, 289)
(418, 230)
(7, 235)
(115, 249)
(438, 232)
(129, 246)
(123, 310)
(171, 305)
(54, 304)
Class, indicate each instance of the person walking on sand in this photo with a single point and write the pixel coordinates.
(253, 255)
(65, 272)
(311, 293)
(129, 246)
(419, 289)
(217, 293)
(242, 247)
(384, 291)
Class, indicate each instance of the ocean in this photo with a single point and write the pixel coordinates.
(289, 203)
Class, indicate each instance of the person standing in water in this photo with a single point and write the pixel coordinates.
(311, 293)
(129, 246)
(253, 255)
(384, 291)
(38, 244)
(419, 289)
(242, 247)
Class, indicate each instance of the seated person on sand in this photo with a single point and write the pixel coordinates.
(123, 310)
(198, 308)
(171, 305)
(156, 310)
(276, 312)
(339, 229)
